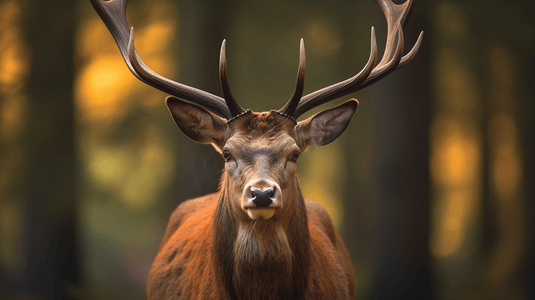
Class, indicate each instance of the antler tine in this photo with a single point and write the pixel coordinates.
(409, 56)
(290, 106)
(113, 13)
(233, 106)
(385, 67)
(396, 17)
(339, 89)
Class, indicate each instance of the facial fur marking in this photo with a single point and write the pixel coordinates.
(260, 152)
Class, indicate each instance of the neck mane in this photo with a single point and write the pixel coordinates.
(261, 259)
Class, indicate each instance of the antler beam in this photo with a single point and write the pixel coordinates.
(113, 13)
(396, 17)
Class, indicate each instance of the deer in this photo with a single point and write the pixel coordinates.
(257, 237)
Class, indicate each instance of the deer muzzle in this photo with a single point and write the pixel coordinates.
(261, 199)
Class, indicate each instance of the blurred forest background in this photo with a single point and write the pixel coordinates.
(431, 186)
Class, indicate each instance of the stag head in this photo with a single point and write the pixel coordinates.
(261, 149)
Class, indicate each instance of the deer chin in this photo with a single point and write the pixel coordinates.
(256, 213)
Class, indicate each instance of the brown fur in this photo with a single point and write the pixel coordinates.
(191, 265)
(213, 250)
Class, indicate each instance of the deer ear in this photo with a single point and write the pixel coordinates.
(326, 126)
(199, 125)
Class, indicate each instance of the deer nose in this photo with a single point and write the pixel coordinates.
(262, 198)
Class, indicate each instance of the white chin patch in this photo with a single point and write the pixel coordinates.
(257, 213)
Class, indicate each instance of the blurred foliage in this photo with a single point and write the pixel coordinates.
(133, 166)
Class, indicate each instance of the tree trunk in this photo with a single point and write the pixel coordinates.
(50, 243)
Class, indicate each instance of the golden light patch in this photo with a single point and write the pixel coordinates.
(505, 168)
(455, 153)
(13, 66)
(321, 181)
(9, 12)
(455, 169)
(103, 89)
(94, 39)
(105, 84)
(153, 173)
(506, 172)
(161, 32)
(136, 174)
(14, 63)
(107, 167)
(452, 217)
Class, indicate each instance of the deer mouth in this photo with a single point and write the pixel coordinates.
(261, 199)
(265, 211)
(256, 213)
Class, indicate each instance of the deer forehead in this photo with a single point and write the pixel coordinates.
(262, 147)
(261, 133)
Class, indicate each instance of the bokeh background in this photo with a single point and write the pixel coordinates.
(431, 186)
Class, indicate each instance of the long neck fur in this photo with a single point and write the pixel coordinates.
(259, 261)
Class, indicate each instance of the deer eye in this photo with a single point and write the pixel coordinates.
(295, 155)
(226, 154)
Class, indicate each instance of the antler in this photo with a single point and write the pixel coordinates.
(113, 13)
(291, 105)
(396, 17)
(234, 107)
